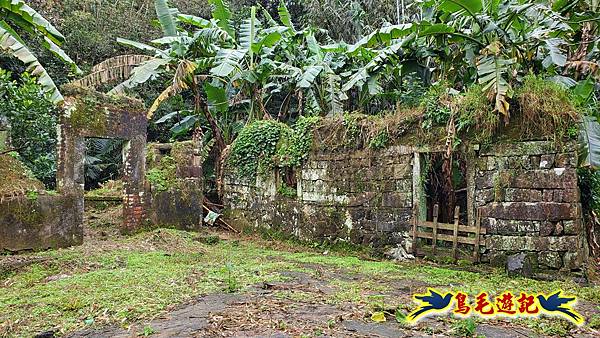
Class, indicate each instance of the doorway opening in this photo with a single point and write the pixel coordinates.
(445, 185)
(103, 161)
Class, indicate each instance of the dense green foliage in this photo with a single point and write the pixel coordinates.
(463, 65)
(32, 119)
(15, 16)
(265, 145)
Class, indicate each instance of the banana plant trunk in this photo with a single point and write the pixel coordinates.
(201, 106)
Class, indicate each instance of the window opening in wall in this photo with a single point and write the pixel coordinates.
(287, 183)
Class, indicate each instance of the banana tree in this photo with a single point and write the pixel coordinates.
(499, 42)
(15, 16)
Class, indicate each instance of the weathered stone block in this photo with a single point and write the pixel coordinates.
(572, 260)
(481, 163)
(566, 195)
(404, 185)
(491, 163)
(559, 178)
(547, 228)
(530, 211)
(519, 162)
(510, 227)
(572, 227)
(522, 195)
(519, 265)
(397, 200)
(484, 196)
(314, 174)
(520, 148)
(485, 180)
(547, 161)
(548, 195)
(532, 243)
(566, 160)
(534, 161)
(551, 259)
(402, 171)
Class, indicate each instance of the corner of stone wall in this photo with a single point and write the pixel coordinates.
(529, 201)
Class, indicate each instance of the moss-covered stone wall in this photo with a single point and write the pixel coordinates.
(529, 201)
(362, 197)
(525, 192)
(175, 189)
(39, 222)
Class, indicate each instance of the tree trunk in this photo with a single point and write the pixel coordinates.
(201, 106)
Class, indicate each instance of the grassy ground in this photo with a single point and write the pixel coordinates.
(113, 280)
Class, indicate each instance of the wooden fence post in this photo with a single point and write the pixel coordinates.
(455, 235)
(435, 224)
(477, 234)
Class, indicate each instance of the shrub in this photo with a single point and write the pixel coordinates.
(32, 119)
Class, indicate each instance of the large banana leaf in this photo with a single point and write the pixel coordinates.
(59, 53)
(27, 18)
(11, 44)
(216, 97)
(556, 55)
(269, 37)
(360, 77)
(183, 76)
(227, 61)
(470, 6)
(248, 34)
(222, 14)
(165, 17)
(590, 143)
(194, 20)
(382, 36)
(139, 45)
(492, 71)
(309, 76)
(284, 15)
(117, 68)
(148, 70)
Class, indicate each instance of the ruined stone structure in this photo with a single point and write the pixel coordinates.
(170, 195)
(90, 114)
(525, 193)
(175, 185)
(30, 217)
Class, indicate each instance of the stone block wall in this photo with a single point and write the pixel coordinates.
(361, 197)
(39, 223)
(525, 193)
(528, 198)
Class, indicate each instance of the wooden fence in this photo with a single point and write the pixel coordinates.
(464, 234)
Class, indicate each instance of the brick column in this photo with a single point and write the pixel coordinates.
(134, 165)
